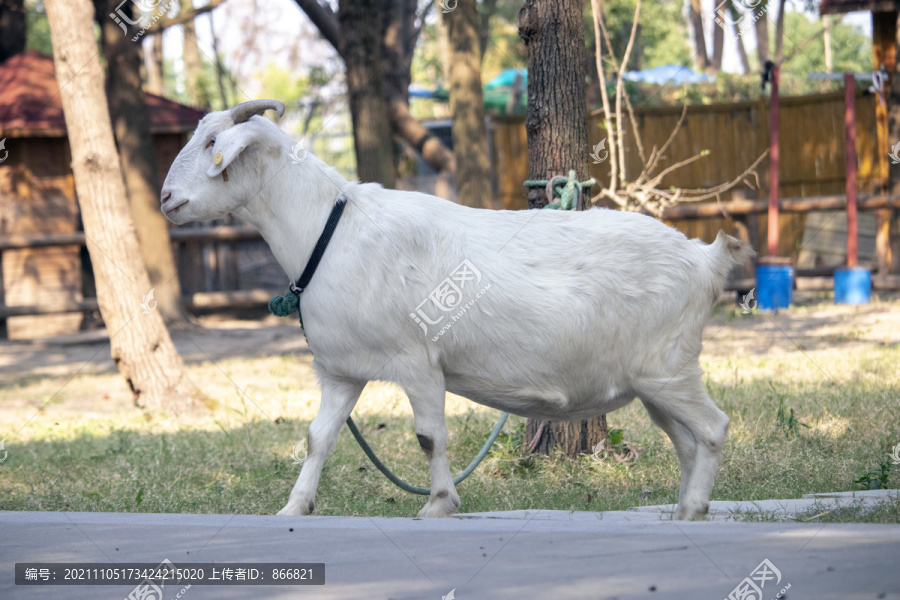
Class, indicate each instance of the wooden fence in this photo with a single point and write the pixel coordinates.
(735, 134)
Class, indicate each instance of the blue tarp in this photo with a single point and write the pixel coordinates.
(507, 78)
(667, 74)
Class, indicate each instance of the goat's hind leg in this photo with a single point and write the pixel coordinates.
(682, 439)
(699, 430)
(427, 400)
(338, 399)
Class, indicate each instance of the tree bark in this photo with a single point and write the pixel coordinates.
(762, 35)
(396, 50)
(695, 16)
(826, 39)
(473, 173)
(360, 47)
(139, 341)
(556, 125)
(12, 28)
(131, 125)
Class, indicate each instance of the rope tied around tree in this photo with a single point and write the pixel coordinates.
(563, 193)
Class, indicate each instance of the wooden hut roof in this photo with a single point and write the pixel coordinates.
(30, 105)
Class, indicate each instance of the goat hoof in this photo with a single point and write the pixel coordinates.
(695, 513)
(440, 507)
(299, 509)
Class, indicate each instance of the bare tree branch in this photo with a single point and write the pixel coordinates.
(182, 17)
(324, 19)
(642, 193)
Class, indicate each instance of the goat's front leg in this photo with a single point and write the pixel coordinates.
(338, 399)
(427, 400)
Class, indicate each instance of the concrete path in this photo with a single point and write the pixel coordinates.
(491, 556)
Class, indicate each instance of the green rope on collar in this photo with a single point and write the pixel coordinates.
(285, 306)
(565, 189)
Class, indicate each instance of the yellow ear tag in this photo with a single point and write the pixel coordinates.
(217, 159)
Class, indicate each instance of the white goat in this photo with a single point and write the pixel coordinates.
(548, 314)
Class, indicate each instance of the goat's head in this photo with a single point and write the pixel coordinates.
(199, 186)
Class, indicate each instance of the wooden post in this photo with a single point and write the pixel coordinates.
(850, 164)
(884, 53)
(773, 164)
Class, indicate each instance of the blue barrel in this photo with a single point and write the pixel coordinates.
(852, 285)
(774, 286)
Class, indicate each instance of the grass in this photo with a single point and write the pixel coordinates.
(90, 451)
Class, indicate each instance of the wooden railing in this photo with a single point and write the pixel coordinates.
(197, 301)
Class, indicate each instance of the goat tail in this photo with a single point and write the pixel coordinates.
(727, 252)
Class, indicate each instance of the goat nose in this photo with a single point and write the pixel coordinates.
(166, 194)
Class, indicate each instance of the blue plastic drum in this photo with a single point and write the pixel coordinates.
(852, 285)
(774, 286)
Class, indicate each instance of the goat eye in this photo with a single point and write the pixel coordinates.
(210, 143)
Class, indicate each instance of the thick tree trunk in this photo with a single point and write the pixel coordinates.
(131, 125)
(695, 17)
(473, 172)
(140, 343)
(556, 124)
(399, 36)
(12, 28)
(397, 47)
(360, 47)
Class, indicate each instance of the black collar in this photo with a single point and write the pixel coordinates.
(321, 244)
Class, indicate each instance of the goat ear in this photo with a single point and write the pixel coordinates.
(229, 145)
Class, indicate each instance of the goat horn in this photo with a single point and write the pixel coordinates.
(242, 112)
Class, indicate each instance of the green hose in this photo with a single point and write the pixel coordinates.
(420, 490)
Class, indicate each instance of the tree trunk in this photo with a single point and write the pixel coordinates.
(154, 63)
(399, 36)
(360, 47)
(695, 17)
(193, 64)
(473, 172)
(131, 125)
(718, 45)
(12, 28)
(762, 35)
(556, 124)
(739, 39)
(220, 71)
(826, 39)
(779, 33)
(397, 45)
(139, 341)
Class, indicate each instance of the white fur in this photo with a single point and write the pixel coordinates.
(582, 311)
